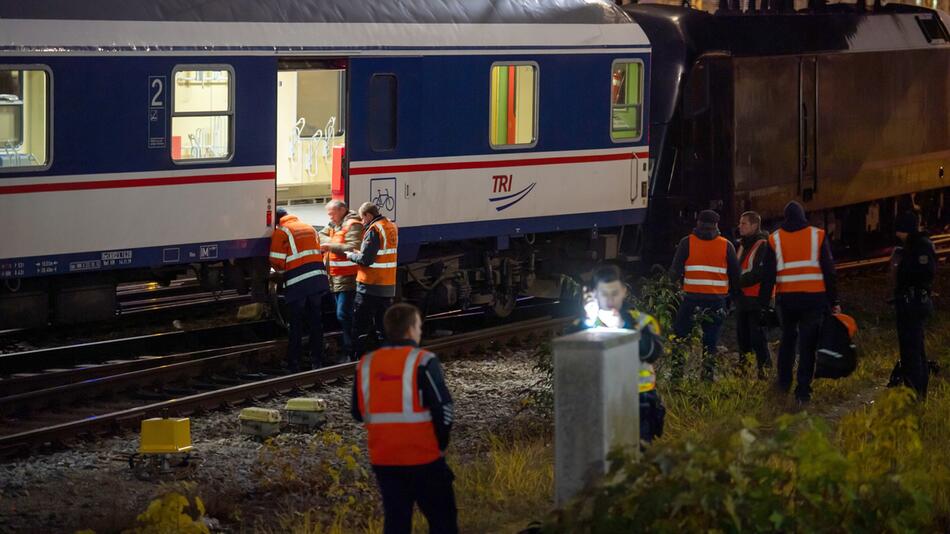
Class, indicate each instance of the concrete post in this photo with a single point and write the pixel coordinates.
(596, 404)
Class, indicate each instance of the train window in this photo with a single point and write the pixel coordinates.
(202, 113)
(24, 117)
(514, 105)
(382, 112)
(626, 100)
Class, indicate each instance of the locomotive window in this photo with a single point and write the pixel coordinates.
(202, 113)
(382, 112)
(626, 100)
(24, 118)
(514, 105)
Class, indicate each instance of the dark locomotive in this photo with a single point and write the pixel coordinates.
(843, 108)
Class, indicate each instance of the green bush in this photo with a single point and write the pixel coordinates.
(796, 477)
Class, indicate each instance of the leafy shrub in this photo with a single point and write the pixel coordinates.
(167, 514)
(540, 394)
(794, 478)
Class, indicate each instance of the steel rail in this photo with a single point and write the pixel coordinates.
(452, 346)
(150, 344)
(52, 378)
(193, 367)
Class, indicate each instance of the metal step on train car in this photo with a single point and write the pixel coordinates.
(143, 139)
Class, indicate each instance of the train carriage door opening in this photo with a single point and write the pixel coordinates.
(626, 118)
(311, 130)
(808, 127)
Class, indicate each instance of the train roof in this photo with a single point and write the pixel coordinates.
(835, 28)
(107, 26)
(351, 11)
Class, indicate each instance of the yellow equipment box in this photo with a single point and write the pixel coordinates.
(304, 404)
(260, 422)
(165, 436)
(261, 415)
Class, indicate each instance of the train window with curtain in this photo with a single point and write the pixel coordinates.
(202, 113)
(626, 100)
(514, 105)
(382, 112)
(24, 117)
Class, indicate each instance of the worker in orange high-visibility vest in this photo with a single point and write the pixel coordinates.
(799, 265)
(707, 264)
(375, 276)
(400, 394)
(343, 233)
(295, 252)
(750, 332)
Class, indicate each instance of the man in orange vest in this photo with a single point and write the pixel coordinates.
(343, 234)
(295, 251)
(708, 266)
(375, 276)
(399, 393)
(750, 332)
(799, 265)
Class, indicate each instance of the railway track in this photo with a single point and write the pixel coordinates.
(941, 245)
(62, 414)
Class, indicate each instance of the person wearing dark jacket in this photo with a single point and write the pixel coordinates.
(399, 393)
(707, 264)
(914, 265)
(610, 308)
(798, 265)
(750, 333)
(376, 264)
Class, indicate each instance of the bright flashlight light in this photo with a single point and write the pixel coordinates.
(599, 317)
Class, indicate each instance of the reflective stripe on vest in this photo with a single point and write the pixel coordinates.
(647, 380)
(382, 271)
(747, 266)
(338, 264)
(797, 265)
(706, 266)
(400, 430)
(301, 277)
(304, 260)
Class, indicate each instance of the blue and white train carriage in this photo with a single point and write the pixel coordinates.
(141, 138)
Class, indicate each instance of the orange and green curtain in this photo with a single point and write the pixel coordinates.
(626, 100)
(513, 95)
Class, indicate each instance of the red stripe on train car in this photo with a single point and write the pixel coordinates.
(459, 165)
(141, 182)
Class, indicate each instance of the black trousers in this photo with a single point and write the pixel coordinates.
(429, 485)
(368, 314)
(303, 313)
(800, 330)
(751, 337)
(910, 336)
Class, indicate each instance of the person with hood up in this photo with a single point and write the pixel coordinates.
(750, 332)
(707, 264)
(914, 265)
(798, 265)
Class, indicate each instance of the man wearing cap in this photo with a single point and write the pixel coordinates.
(707, 264)
(799, 266)
(295, 252)
(914, 264)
